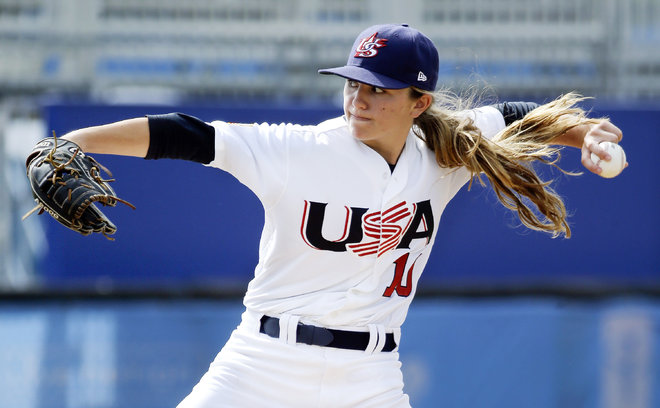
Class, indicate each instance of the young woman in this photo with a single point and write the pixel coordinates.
(352, 208)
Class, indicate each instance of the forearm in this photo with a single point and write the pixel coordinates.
(573, 137)
(512, 111)
(127, 138)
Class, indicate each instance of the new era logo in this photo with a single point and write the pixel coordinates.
(421, 77)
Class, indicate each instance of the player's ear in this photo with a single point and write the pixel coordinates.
(421, 104)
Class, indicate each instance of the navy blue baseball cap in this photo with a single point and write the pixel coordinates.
(391, 56)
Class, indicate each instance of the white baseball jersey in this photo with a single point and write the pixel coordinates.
(345, 239)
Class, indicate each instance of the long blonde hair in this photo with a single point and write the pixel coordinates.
(507, 159)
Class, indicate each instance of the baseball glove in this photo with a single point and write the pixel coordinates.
(66, 183)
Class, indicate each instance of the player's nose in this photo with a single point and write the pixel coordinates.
(361, 96)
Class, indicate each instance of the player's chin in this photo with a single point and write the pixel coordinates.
(359, 133)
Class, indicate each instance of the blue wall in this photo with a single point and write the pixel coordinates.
(198, 227)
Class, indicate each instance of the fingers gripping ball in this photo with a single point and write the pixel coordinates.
(66, 184)
(614, 166)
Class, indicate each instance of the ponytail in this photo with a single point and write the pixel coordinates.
(507, 159)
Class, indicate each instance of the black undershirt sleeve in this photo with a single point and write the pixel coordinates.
(180, 136)
(513, 111)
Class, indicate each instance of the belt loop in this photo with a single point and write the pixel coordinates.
(381, 338)
(373, 339)
(397, 338)
(257, 324)
(284, 327)
(292, 326)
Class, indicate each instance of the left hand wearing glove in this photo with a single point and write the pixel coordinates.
(66, 183)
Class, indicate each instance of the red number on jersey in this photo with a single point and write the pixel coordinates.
(397, 283)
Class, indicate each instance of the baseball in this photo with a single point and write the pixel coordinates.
(614, 166)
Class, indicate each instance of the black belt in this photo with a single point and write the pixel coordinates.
(320, 336)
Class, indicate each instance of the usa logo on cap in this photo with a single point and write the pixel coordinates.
(368, 47)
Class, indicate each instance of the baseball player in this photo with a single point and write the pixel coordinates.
(352, 208)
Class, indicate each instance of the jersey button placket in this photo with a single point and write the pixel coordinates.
(387, 179)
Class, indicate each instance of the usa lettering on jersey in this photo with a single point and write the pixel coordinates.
(373, 233)
(368, 47)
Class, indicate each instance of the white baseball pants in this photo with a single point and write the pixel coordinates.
(254, 370)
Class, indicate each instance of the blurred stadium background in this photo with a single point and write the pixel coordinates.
(504, 318)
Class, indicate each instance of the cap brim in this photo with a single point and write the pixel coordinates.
(365, 76)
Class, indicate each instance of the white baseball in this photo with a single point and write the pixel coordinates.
(614, 166)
